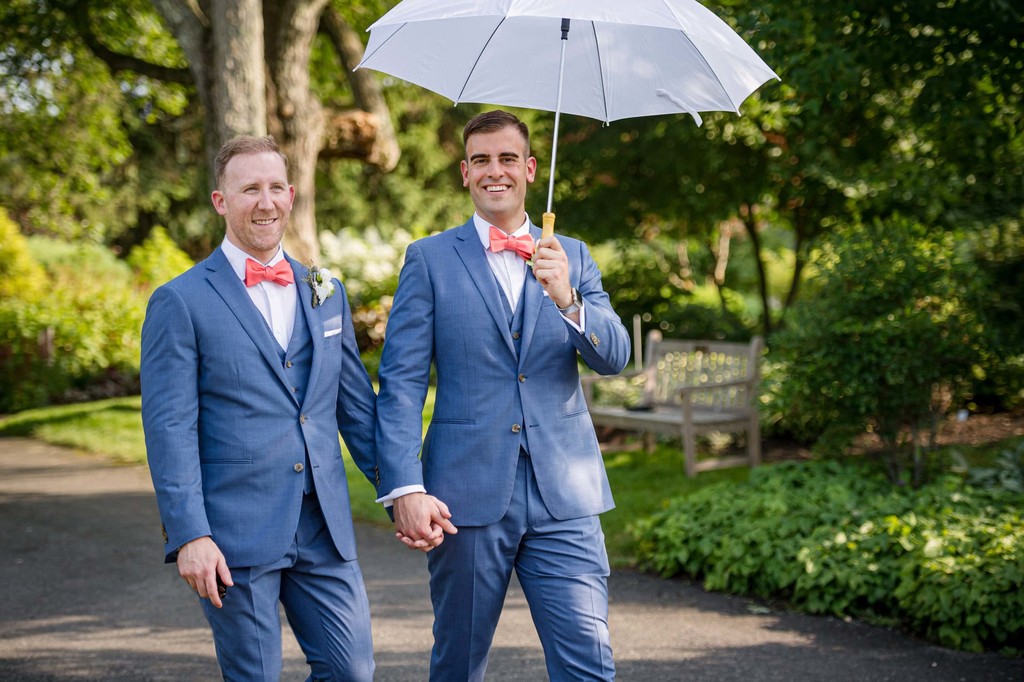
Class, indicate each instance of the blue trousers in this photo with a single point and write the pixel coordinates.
(563, 569)
(324, 599)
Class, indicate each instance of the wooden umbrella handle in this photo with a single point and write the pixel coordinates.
(547, 225)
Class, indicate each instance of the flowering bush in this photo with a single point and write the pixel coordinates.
(368, 263)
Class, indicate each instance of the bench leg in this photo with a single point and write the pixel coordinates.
(689, 450)
(754, 441)
(648, 442)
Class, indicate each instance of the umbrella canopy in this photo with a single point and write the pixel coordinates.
(622, 59)
(603, 59)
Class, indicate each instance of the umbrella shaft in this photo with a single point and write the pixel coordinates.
(558, 111)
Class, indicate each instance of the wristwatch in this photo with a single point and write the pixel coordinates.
(573, 307)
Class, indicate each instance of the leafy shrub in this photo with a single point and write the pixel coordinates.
(641, 278)
(80, 337)
(886, 342)
(946, 561)
(20, 274)
(157, 260)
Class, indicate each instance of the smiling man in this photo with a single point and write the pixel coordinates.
(248, 375)
(511, 449)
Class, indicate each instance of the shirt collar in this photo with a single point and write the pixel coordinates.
(236, 257)
(483, 229)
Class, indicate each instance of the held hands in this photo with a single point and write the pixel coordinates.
(201, 565)
(421, 521)
(551, 268)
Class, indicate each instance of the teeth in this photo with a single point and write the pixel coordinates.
(497, 188)
(264, 221)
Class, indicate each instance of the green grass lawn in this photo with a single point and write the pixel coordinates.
(641, 483)
(107, 427)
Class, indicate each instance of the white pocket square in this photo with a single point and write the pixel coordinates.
(332, 332)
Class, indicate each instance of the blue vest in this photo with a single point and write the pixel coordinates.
(515, 325)
(297, 362)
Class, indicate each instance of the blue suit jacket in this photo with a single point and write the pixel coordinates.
(224, 431)
(449, 311)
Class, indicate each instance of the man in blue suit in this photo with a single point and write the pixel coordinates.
(511, 449)
(249, 370)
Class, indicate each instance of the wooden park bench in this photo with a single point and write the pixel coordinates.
(686, 388)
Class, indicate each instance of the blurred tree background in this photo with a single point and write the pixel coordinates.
(873, 197)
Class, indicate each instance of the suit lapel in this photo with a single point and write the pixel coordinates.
(533, 299)
(305, 307)
(230, 288)
(471, 252)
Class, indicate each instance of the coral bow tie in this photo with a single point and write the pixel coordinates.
(502, 242)
(281, 273)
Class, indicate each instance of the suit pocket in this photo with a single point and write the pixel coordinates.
(331, 329)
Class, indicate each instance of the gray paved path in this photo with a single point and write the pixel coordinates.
(83, 596)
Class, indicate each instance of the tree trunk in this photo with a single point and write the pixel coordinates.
(295, 113)
(750, 222)
(239, 82)
(249, 61)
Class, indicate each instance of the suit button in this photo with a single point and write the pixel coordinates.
(522, 378)
(298, 468)
(302, 419)
(516, 428)
(288, 364)
(515, 335)
(594, 340)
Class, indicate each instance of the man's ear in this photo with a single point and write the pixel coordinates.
(219, 204)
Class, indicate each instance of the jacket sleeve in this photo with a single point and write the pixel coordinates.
(604, 344)
(170, 415)
(404, 376)
(356, 409)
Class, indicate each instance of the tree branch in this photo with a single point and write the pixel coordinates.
(118, 62)
(366, 92)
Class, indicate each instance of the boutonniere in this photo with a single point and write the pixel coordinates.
(319, 280)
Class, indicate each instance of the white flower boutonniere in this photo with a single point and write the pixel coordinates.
(319, 280)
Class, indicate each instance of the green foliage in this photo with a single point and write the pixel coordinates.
(20, 274)
(86, 153)
(1006, 473)
(157, 260)
(81, 336)
(886, 342)
(945, 561)
(646, 278)
(999, 256)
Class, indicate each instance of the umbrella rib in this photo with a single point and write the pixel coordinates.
(476, 61)
(378, 48)
(711, 69)
(600, 66)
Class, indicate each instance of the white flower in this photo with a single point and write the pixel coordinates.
(320, 280)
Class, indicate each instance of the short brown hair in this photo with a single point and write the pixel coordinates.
(244, 144)
(492, 122)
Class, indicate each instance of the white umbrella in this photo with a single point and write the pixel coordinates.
(615, 59)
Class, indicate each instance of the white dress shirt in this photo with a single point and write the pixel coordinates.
(275, 302)
(509, 268)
